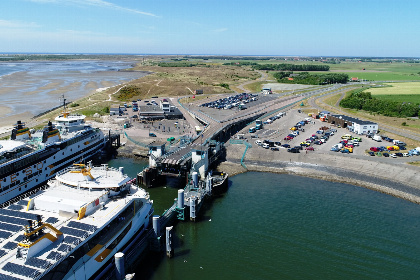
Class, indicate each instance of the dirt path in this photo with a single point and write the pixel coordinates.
(263, 77)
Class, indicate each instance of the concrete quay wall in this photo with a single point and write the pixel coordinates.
(397, 179)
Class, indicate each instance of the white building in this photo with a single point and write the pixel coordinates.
(165, 105)
(365, 127)
(354, 124)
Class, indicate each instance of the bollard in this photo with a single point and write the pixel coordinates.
(119, 265)
(180, 199)
(169, 249)
(156, 224)
(193, 204)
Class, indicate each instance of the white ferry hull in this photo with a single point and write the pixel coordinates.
(31, 175)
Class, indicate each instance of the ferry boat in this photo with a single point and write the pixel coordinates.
(30, 158)
(74, 227)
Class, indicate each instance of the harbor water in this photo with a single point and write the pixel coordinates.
(277, 226)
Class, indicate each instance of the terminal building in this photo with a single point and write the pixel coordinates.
(354, 124)
(165, 110)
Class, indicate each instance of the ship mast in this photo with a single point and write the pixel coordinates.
(65, 113)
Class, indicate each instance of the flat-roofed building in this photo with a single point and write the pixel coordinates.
(354, 124)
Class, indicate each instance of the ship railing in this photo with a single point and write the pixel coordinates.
(24, 195)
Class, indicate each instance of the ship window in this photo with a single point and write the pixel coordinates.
(26, 186)
(36, 180)
(19, 189)
(54, 157)
(17, 182)
(17, 174)
(45, 168)
(4, 180)
(78, 146)
(45, 161)
(34, 166)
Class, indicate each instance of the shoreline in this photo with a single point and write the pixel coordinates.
(233, 169)
(24, 90)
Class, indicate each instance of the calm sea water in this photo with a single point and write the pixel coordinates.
(276, 226)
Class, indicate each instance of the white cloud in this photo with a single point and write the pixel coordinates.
(220, 30)
(96, 3)
(17, 24)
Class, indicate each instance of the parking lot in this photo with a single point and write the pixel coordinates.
(280, 128)
(222, 113)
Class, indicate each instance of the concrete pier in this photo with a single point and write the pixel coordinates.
(120, 266)
(169, 248)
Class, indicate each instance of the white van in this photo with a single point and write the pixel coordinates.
(258, 142)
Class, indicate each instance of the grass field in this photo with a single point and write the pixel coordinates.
(397, 89)
(404, 92)
(411, 98)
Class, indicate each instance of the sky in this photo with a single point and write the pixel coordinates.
(379, 28)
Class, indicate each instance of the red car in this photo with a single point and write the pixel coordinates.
(288, 138)
(390, 148)
(310, 148)
(374, 149)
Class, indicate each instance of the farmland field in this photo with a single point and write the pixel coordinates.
(411, 98)
(404, 92)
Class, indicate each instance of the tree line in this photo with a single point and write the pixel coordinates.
(362, 100)
(291, 67)
(310, 79)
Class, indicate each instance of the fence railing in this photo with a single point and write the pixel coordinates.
(247, 146)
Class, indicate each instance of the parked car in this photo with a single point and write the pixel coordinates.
(278, 144)
(275, 149)
(265, 146)
(335, 149)
(310, 148)
(406, 155)
(374, 149)
(399, 154)
(385, 154)
(293, 150)
(345, 151)
(298, 147)
(393, 155)
(258, 142)
(151, 134)
(286, 145)
(371, 153)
